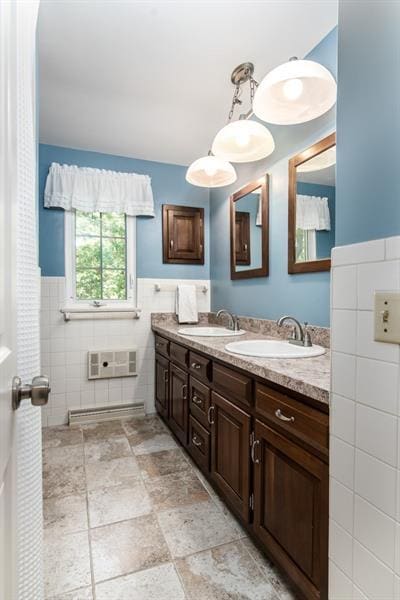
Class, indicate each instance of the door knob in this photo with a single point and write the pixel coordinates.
(38, 391)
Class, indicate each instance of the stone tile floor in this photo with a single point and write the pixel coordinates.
(128, 516)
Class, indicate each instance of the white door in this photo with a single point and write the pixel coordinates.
(20, 451)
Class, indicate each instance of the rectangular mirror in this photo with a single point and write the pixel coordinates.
(249, 230)
(312, 207)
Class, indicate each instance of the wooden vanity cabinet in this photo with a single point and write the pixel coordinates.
(230, 453)
(290, 508)
(178, 418)
(265, 450)
(162, 385)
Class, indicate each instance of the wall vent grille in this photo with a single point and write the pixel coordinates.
(106, 364)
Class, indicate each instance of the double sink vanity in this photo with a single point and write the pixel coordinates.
(255, 420)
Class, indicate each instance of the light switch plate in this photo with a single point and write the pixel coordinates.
(387, 317)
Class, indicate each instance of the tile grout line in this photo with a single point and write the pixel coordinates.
(89, 527)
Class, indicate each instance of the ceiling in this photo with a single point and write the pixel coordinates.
(151, 79)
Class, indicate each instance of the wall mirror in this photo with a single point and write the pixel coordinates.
(312, 207)
(250, 230)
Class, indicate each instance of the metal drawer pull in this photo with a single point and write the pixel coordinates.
(209, 415)
(196, 441)
(184, 392)
(196, 365)
(197, 400)
(255, 460)
(282, 416)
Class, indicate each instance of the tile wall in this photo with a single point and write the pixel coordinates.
(365, 428)
(64, 349)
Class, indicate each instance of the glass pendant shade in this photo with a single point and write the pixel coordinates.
(321, 161)
(243, 141)
(211, 171)
(295, 92)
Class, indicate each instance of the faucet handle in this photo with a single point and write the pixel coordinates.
(307, 336)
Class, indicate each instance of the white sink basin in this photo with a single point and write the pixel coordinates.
(209, 331)
(273, 349)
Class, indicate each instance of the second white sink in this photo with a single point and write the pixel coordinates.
(209, 331)
(273, 349)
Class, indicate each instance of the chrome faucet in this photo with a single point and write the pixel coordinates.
(300, 336)
(233, 320)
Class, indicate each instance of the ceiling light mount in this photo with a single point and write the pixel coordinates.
(242, 73)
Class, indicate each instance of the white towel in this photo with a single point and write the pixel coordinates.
(186, 304)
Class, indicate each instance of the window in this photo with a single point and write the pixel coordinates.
(305, 245)
(99, 257)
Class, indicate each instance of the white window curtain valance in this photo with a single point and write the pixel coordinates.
(312, 213)
(97, 190)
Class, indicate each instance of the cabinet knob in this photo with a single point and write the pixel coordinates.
(282, 417)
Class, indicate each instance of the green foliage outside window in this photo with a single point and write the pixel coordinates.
(100, 251)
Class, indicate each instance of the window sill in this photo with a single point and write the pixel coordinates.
(102, 312)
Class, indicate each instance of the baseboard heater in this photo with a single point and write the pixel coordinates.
(105, 413)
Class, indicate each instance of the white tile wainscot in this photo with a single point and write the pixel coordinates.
(64, 347)
(364, 550)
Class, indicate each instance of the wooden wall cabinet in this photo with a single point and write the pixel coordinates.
(242, 233)
(273, 474)
(183, 234)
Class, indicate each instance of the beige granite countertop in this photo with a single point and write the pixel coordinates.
(308, 376)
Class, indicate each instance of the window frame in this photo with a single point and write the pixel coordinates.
(70, 262)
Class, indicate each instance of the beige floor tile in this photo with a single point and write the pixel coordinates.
(161, 463)
(81, 594)
(118, 503)
(126, 547)
(66, 514)
(196, 527)
(158, 583)
(151, 424)
(63, 456)
(107, 449)
(66, 563)
(270, 572)
(145, 443)
(224, 573)
(63, 481)
(106, 473)
(61, 436)
(177, 489)
(102, 431)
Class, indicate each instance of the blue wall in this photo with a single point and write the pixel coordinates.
(368, 121)
(304, 296)
(325, 239)
(169, 187)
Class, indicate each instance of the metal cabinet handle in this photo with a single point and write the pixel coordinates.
(171, 244)
(196, 365)
(197, 400)
(282, 417)
(38, 391)
(255, 460)
(166, 377)
(184, 392)
(211, 422)
(196, 441)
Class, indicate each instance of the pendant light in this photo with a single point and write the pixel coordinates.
(317, 163)
(211, 171)
(243, 140)
(295, 92)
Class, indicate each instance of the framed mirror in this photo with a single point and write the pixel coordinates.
(250, 230)
(312, 207)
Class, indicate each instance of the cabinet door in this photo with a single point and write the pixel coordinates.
(183, 234)
(230, 452)
(291, 509)
(161, 385)
(242, 241)
(178, 403)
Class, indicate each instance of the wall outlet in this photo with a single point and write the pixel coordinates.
(387, 317)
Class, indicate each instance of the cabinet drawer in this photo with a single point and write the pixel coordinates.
(162, 345)
(306, 422)
(199, 401)
(200, 366)
(234, 386)
(178, 354)
(199, 444)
